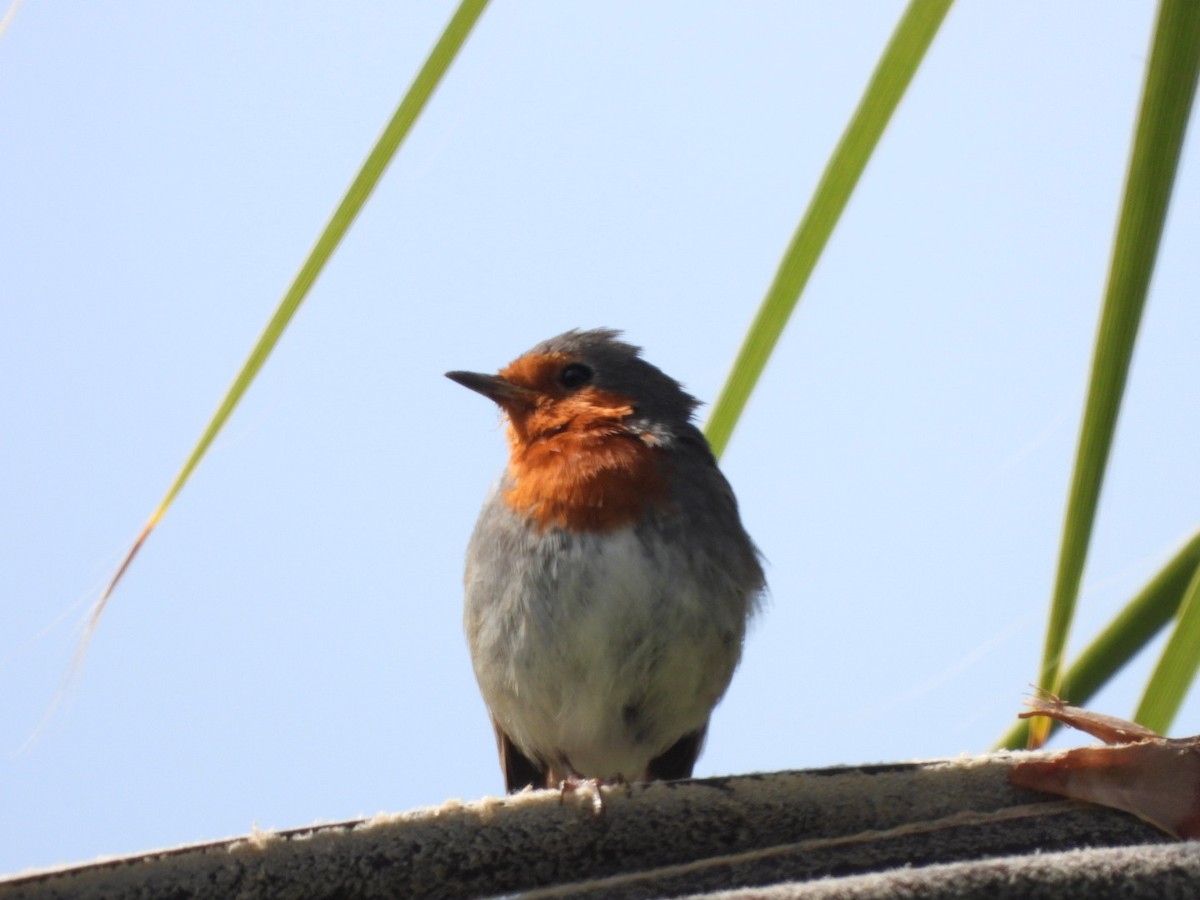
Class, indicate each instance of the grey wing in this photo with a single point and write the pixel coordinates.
(710, 511)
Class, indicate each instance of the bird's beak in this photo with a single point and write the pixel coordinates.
(501, 390)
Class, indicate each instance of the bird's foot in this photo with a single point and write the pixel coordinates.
(576, 782)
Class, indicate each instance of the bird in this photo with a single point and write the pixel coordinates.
(609, 579)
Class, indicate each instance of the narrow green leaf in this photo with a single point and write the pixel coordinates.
(343, 217)
(1166, 102)
(1132, 629)
(891, 78)
(360, 189)
(1176, 669)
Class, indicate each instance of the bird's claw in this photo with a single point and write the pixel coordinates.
(575, 782)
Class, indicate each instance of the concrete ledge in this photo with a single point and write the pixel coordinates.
(939, 828)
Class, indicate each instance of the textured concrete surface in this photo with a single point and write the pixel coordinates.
(939, 828)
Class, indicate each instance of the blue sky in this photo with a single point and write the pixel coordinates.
(288, 646)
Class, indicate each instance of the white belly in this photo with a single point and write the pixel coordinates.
(600, 651)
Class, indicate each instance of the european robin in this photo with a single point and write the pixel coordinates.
(609, 579)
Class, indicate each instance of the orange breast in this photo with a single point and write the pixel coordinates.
(585, 480)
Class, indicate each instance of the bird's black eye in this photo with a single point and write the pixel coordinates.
(574, 375)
